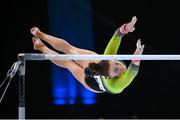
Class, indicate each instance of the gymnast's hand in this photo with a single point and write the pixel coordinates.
(35, 31)
(130, 26)
(139, 48)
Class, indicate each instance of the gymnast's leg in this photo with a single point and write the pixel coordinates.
(59, 43)
(38, 45)
(62, 45)
(77, 71)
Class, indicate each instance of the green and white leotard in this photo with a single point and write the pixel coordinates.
(118, 84)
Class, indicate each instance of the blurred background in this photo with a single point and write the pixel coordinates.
(52, 92)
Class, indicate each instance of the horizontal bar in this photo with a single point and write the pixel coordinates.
(38, 56)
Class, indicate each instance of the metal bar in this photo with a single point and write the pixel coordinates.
(36, 56)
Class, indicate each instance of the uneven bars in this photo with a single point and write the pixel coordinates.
(39, 56)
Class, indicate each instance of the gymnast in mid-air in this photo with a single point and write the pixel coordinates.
(98, 76)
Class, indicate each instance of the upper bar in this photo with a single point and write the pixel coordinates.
(38, 56)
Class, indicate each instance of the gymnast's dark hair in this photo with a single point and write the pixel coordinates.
(100, 68)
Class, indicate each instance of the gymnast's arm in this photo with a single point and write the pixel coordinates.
(133, 68)
(115, 41)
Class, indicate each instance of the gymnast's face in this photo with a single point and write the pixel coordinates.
(116, 68)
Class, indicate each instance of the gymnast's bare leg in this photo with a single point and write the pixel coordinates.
(76, 70)
(61, 45)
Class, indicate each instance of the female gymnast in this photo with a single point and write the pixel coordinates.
(98, 76)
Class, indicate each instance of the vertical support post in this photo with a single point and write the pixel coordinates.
(21, 86)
